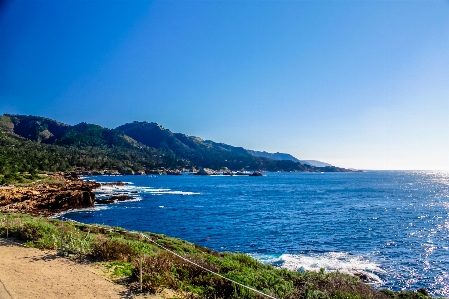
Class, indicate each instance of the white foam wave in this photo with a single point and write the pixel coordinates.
(331, 261)
(135, 198)
(91, 209)
(110, 190)
(130, 189)
(175, 192)
(148, 189)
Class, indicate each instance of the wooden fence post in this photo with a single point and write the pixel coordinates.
(7, 226)
(62, 232)
(141, 262)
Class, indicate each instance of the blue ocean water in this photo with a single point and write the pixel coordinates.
(393, 226)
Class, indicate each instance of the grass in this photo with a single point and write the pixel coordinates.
(131, 257)
(25, 179)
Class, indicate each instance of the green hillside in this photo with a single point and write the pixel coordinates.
(66, 148)
(130, 257)
(33, 144)
(207, 153)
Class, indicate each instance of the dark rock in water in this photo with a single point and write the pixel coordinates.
(113, 199)
(256, 173)
(206, 171)
(105, 201)
(118, 183)
(228, 172)
(120, 197)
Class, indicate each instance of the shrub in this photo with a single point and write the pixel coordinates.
(112, 248)
(121, 269)
(75, 241)
(40, 234)
(162, 269)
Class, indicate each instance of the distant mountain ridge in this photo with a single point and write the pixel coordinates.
(200, 152)
(274, 156)
(283, 156)
(315, 163)
(136, 146)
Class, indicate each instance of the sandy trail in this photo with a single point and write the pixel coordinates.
(32, 273)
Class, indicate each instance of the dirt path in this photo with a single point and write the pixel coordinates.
(32, 273)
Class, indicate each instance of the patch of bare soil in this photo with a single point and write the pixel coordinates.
(32, 273)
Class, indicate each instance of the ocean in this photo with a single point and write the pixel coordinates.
(390, 226)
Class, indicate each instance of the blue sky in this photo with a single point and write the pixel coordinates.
(361, 84)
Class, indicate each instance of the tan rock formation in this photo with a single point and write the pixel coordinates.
(48, 199)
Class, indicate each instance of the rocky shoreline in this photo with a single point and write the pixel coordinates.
(164, 171)
(70, 192)
(48, 199)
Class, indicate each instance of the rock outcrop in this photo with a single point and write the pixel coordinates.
(256, 173)
(113, 199)
(206, 171)
(118, 183)
(48, 199)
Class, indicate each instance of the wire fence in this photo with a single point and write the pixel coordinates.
(181, 257)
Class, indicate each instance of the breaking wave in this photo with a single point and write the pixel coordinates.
(331, 261)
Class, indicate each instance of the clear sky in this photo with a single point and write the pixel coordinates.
(361, 84)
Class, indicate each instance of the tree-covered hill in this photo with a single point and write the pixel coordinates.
(34, 128)
(204, 153)
(80, 147)
(44, 130)
(20, 155)
(32, 143)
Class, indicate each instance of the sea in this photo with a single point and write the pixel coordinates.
(390, 227)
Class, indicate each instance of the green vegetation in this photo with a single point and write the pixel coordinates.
(205, 153)
(128, 255)
(121, 268)
(34, 144)
(21, 158)
(27, 179)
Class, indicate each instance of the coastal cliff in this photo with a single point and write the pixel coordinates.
(48, 199)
